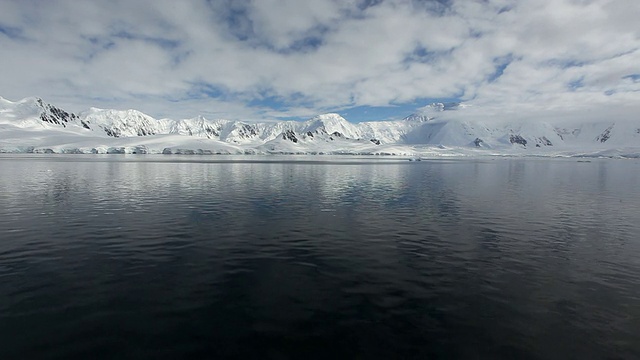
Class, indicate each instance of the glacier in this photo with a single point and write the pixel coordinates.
(33, 126)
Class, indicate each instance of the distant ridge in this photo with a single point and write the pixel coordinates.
(33, 125)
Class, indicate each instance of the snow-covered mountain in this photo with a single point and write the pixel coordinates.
(32, 125)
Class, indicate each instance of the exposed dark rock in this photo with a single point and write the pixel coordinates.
(336, 134)
(478, 142)
(606, 134)
(565, 132)
(375, 141)
(54, 115)
(112, 132)
(144, 132)
(290, 135)
(247, 131)
(546, 141)
(310, 134)
(543, 141)
(517, 139)
(210, 131)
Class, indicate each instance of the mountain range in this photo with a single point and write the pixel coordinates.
(33, 125)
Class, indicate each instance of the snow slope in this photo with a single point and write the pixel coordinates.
(32, 125)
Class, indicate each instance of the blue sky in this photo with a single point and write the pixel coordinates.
(293, 59)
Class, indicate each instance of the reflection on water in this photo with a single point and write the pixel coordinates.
(151, 256)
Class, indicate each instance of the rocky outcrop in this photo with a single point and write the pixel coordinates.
(606, 134)
(54, 115)
(517, 139)
(290, 135)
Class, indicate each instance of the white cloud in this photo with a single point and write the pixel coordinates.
(215, 57)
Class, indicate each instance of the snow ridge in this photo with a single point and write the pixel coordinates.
(35, 125)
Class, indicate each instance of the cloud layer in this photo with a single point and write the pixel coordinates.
(289, 58)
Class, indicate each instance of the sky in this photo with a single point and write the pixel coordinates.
(293, 59)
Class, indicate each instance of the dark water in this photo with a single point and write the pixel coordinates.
(210, 257)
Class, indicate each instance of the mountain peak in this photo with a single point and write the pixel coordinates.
(329, 117)
(324, 133)
(418, 118)
(431, 111)
(333, 123)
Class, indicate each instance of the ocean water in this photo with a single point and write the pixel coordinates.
(168, 257)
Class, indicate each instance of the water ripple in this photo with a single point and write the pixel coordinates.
(170, 258)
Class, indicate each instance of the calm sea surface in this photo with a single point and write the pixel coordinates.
(170, 257)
